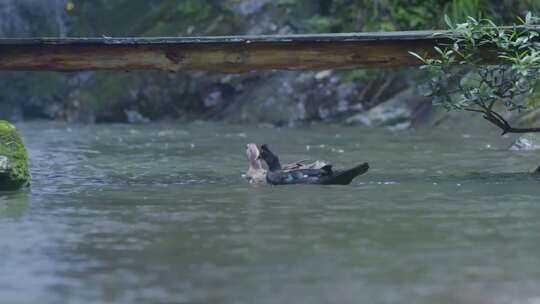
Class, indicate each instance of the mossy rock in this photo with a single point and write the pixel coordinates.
(14, 168)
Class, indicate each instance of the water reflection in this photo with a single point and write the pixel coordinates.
(13, 205)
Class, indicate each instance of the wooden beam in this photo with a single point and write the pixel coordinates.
(231, 54)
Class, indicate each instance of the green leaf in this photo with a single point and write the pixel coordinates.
(458, 80)
(439, 50)
(448, 21)
(472, 20)
(418, 56)
(528, 18)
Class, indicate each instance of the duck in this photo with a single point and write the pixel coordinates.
(256, 174)
(324, 175)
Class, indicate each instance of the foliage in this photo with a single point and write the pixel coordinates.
(392, 15)
(485, 67)
(364, 75)
(152, 18)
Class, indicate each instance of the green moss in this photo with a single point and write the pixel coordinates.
(14, 168)
(153, 18)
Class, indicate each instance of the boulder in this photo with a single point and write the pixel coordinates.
(527, 142)
(14, 168)
(396, 113)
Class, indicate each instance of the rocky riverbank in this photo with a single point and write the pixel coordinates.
(367, 97)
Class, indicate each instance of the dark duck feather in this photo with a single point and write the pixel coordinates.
(323, 176)
(257, 175)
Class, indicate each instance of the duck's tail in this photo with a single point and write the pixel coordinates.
(345, 177)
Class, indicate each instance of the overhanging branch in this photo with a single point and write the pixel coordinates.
(499, 121)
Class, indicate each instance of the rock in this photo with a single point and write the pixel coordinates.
(270, 103)
(11, 110)
(383, 116)
(393, 113)
(133, 116)
(14, 168)
(323, 74)
(527, 142)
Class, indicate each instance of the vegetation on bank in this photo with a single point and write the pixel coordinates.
(311, 96)
(464, 75)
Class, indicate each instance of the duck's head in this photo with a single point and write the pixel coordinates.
(270, 158)
(253, 156)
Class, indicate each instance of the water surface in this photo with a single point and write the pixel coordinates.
(159, 213)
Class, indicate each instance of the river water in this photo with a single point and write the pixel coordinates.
(159, 213)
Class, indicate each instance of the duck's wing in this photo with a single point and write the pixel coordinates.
(327, 169)
(318, 164)
(345, 177)
(300, 176)
(288, 167)
(304, 164)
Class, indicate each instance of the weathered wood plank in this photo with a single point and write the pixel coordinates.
(230, 54)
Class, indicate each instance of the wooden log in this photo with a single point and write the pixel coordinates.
(232, 54)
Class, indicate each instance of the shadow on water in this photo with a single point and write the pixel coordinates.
(14, 204)
(494, 178)
(211, 178)
(467, 177)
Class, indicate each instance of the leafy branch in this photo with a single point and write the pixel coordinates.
(485, 67)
